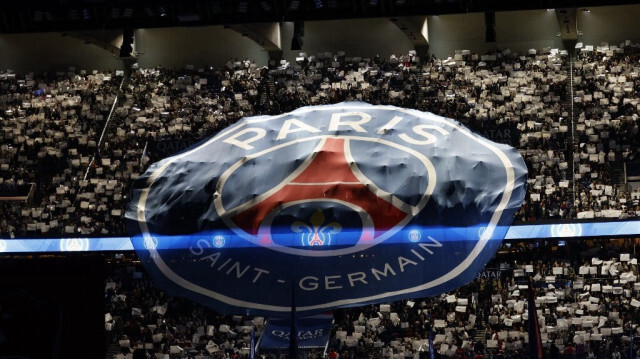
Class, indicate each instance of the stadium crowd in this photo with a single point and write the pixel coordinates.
(607, 87)
(82, 138)
(586, 300)
(51, 128)
(74, 142)
(587, 297)
(143, 319)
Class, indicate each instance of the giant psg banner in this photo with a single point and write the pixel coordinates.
(342, 205)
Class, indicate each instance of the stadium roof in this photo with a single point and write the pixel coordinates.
(77, 15)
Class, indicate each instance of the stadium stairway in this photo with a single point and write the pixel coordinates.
(617, 175)
(272, 87)
(264, 98)
(112, 350)
(569, 105)
(480, 335)
(421, 85)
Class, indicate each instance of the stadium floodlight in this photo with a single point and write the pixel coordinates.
(294, 5)
(163, 11)
(115, 13)
(319, 4)
(127, 12)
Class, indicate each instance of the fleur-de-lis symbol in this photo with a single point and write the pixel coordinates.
(315, 233)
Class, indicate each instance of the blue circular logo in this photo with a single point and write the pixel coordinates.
(150, 242)
(74, 245)
(218, 241)
(346, 204)
(415, 235)
(566, 230)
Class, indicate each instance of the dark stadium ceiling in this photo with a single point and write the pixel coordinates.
(75, 15)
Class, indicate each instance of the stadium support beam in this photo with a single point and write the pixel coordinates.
(568, 27)
(416, 29)
(266, 35)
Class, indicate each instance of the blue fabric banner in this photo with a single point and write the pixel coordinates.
(347, 204)
(313, 332)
